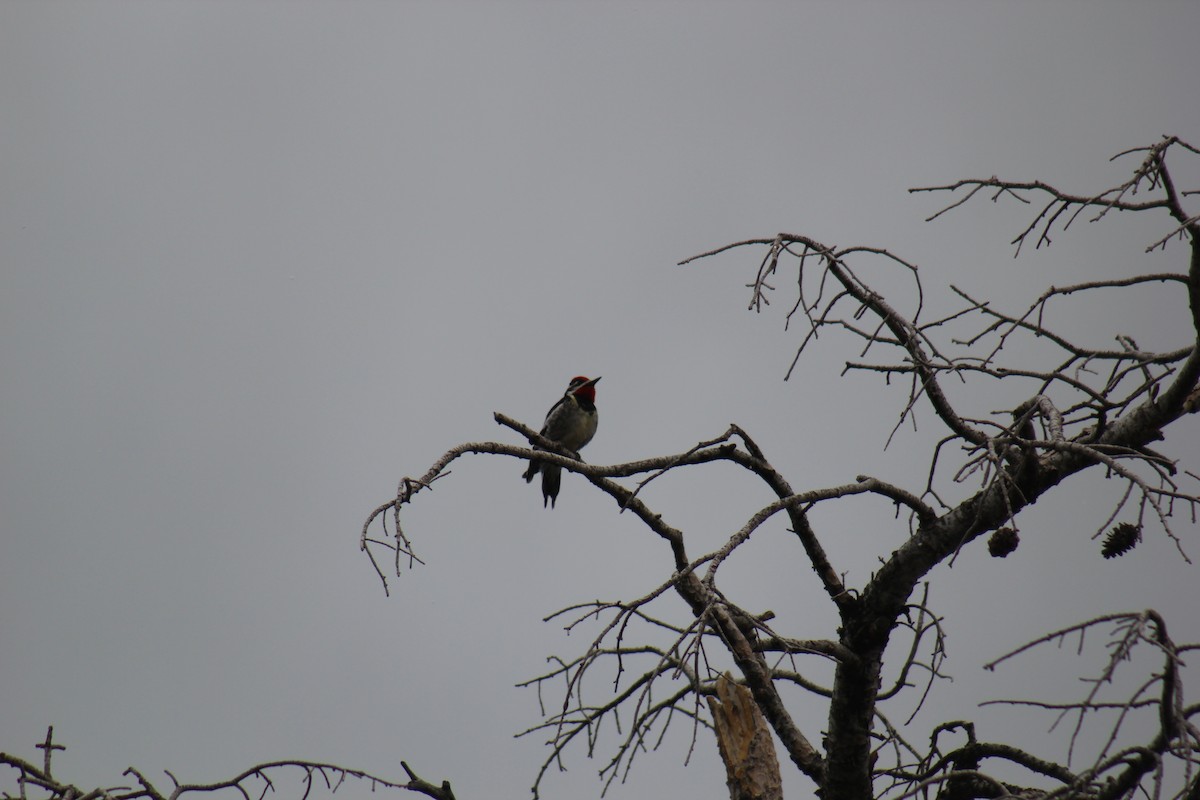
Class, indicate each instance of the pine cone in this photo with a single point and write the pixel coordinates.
(1003, 542)
(1121, 540)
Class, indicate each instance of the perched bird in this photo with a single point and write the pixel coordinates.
(572, 423)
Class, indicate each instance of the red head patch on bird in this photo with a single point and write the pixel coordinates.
(584, 387)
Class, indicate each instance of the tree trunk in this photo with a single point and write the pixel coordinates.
(744, 739)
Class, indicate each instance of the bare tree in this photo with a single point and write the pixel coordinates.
(1089, 409)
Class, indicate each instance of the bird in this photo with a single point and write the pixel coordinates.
(571, 422)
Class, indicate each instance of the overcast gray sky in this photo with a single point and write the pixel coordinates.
(259, 260)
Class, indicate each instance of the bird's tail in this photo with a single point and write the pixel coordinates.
(551, 481)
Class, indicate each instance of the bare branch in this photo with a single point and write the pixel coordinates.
(259, 778)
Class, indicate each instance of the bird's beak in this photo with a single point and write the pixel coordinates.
(592, 382)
